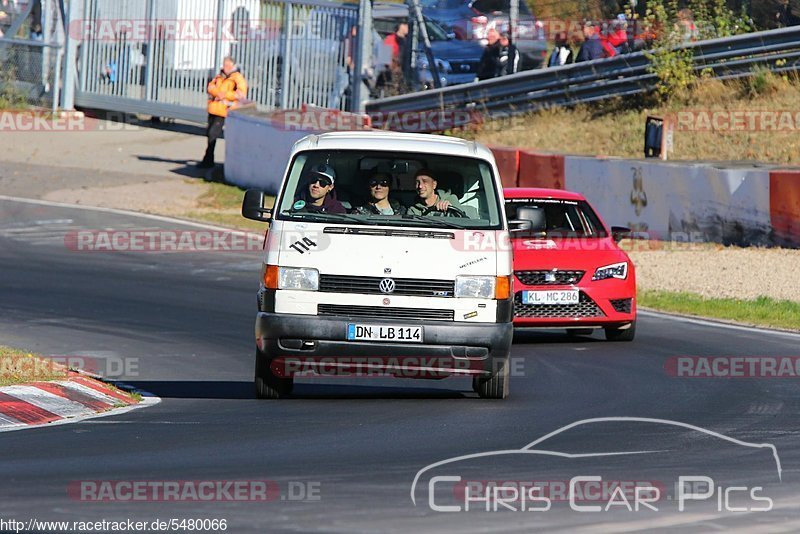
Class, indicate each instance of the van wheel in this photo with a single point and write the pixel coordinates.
(615, 334)
(494, 386)
(269, 386)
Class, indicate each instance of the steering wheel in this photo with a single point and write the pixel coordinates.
(458, 212)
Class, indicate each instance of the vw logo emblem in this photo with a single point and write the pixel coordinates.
(386, 285)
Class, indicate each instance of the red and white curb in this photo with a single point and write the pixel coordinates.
(62, 401)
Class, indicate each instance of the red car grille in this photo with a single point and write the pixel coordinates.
(549, 278)
(585, 307)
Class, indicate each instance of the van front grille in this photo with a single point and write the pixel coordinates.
(380, 312)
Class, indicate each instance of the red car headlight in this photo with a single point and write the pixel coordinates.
(615, 270)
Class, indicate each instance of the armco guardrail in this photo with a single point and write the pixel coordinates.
(591, 81)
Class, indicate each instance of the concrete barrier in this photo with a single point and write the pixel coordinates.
(677, 201)
(507, 164)
(784, 205)
(541, 170)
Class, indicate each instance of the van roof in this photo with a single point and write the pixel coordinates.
(394, 142)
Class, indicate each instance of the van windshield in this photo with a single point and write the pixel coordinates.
(390, 189)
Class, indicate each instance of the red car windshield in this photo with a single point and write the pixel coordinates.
(553, 217)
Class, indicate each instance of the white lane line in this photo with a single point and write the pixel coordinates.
(102, 397)
(116, 211)
(717, 324)
(47, 401)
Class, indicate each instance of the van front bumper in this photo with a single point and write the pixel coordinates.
(294, 343)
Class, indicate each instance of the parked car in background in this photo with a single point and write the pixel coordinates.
(456, 61)
(470, 20)
(569, 271)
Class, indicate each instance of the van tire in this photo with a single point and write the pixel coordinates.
(269, 386)
(494, 386)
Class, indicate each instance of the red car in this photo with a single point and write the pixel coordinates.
(569, 271)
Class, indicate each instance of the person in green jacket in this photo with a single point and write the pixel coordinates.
(429, 197)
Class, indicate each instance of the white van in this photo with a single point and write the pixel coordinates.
(416, 287)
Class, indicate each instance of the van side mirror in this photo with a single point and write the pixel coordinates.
(519, 225)
(253, 206)
(619, 233)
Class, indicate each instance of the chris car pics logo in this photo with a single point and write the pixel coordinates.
(574, 470)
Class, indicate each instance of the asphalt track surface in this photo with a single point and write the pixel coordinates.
(186, 321)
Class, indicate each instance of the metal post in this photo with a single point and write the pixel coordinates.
(286, 39)
(84, 50)
(219, 36)
(57, 80)
(151, 51)
(70, 57)
(513, 20)
(423, 32)
(357, 76)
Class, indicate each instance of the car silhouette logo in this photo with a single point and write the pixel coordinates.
(386, 285)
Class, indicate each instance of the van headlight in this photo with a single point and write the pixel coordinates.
(615, 270)
(478, 287)
(298, 278)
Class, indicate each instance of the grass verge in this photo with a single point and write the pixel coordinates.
(21, 367)
(616, 127)
(221, 204)
(762, 311)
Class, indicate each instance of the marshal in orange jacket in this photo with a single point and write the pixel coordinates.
(226, 92)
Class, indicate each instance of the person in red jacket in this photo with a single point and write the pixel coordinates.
(397, 39)
(226, 91)
(615, 41)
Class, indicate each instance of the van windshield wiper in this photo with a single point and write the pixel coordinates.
(431, 221)
(324, 217)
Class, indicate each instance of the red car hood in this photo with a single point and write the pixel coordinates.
(572, 253)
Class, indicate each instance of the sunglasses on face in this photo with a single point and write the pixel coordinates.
(382, 183)
(323, 182)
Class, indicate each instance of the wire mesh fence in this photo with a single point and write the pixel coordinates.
(29, 73)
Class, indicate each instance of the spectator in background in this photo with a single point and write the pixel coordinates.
(562, 53)
(36, 21)
(7, 12)
(591, 48)
(489, 66)
(616, 39)
(686, 26)
(785, 16)
(226, 91)
(508, 56)
(397, 40)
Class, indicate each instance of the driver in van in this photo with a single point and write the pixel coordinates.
(430, 200)
(379, 204)
(319, 197)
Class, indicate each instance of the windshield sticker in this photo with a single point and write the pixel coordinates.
(541, 201)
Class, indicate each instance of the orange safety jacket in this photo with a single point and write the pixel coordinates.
(226, 92)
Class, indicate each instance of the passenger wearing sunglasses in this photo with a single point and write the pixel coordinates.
(379, 202)
(319, 197)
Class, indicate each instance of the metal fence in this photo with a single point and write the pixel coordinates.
(30, 58)
(156, 57)
(591, 81)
